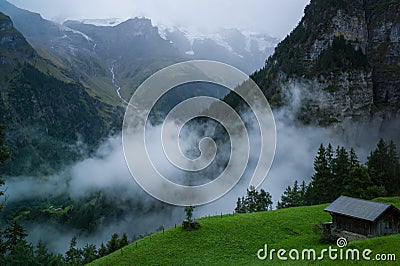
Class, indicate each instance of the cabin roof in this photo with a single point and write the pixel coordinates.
(358, 208)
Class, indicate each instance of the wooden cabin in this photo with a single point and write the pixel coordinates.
(364, 217)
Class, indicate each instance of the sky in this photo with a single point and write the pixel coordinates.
(274, 17)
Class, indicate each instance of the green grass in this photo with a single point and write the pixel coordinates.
(60, 212)
(103, 89)
(235, 240)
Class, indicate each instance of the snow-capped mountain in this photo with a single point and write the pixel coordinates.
(242, 49)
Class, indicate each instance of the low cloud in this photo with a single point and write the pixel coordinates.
(264, 16)
(107, 172)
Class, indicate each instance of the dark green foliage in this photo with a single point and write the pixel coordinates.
(47, 117)
(189, 223)
(102, 250)
(384, 167)
(14, 234)
(113, 243)
(358, 184)
(322, 180)
(340, 173)
(15, 250)
(89, 253)
(44, 257)
(340, 56)
(87, 213)
(73, 256)
(124, 240)
(189, 212)
(254, 201)
(293, 196)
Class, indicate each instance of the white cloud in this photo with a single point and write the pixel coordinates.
(277, 18)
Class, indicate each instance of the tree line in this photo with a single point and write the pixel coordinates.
(336, 172)
(16, 250)
(339, 172)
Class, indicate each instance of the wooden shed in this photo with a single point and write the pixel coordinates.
(364, 217)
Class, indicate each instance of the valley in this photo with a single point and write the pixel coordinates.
(65, 85)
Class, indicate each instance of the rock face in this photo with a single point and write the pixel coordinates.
(346, 56)
(13, 45)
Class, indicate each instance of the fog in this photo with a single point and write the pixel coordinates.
(276, 18)
(107, 171)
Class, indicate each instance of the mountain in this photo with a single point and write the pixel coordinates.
(342, 61)
(44, 116)
(244, 50)
(70, 50)
(107, 54)
(133, 49)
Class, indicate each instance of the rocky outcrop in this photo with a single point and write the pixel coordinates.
(13, 46)
(346, 55)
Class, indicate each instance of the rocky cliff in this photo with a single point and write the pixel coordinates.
(13, 45)
(343, 57)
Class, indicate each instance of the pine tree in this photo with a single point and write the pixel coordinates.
(113, 243)
(383, 167)
(359, 184)
(89, 253)
(44, 257)
(239, 206)
(102, 250)
(341, 166)
(124, 240)
(189, 213)
(319, 189)
(14, 234)
(353, 159)
(394, 171)
(73, 256)
(263, 201)
(293, 196)
(22, 254)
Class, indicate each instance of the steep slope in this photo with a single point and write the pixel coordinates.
(14, 46)
(44, 117)
(72, 51)
(343, 59)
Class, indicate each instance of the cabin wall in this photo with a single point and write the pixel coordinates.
(387, 224)
(352, 224)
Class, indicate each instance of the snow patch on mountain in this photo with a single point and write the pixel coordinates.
(103, 22)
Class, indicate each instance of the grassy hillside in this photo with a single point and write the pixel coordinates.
(235, 240)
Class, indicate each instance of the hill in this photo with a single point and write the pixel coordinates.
(235, 240)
